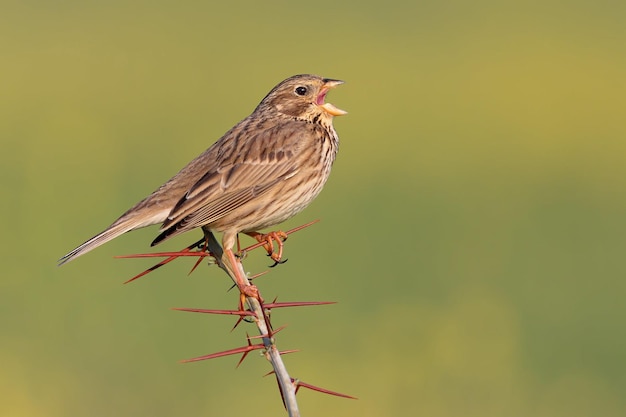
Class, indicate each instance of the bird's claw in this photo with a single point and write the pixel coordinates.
(277, 262)
(268, 240)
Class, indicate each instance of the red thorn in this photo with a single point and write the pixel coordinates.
(304, 226)
(260, 274)
(279, 329)
(263, 336)
(299, 384)
(204, 249)
(243, 349)
(147, 271)
(298, 304)
(163, 262)
(193, 268)
(225, 312)
(286, 352)
(152, 268)
(239, 320)
(246, 352)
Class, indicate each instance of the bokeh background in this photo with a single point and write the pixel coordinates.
(472, 230)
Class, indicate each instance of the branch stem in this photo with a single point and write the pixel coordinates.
(288, 389)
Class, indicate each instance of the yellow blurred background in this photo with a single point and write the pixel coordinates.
(472, 229)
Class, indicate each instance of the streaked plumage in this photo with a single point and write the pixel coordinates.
(263, 171)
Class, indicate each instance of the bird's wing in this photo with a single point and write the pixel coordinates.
(271, 156)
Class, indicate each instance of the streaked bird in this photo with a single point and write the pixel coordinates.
(263, 171)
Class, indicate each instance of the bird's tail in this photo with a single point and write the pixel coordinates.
(121, 226)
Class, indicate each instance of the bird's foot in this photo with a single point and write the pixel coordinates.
(251, 291)
(248, 291)
(268, 240)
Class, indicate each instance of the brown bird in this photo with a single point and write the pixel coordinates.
(263, 171)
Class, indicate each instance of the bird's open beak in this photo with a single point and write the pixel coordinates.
(329, 108)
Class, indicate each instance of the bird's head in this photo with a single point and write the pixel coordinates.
(302, 96)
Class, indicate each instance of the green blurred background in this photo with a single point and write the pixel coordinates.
(472, 229)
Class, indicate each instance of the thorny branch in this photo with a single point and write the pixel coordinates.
(288, 390)
(256, 311)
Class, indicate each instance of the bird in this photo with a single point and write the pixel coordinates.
(263, 171)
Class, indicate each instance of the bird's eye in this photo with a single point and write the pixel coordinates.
(301, 90)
